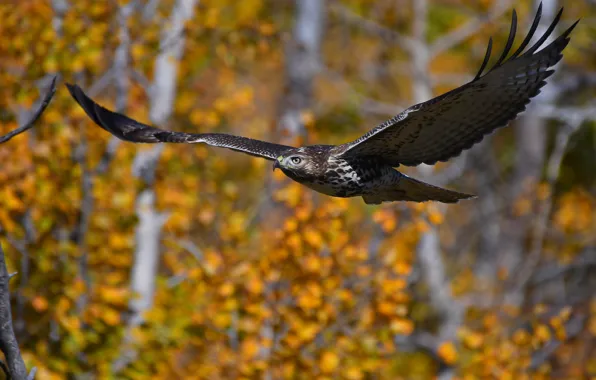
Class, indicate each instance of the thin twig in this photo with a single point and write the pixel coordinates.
(372, 27)
(573, 327)
(545, 274)
(44, 104)
(468, 29)
(32, 373)
(553, 168)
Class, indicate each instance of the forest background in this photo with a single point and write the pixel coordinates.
(187, 261)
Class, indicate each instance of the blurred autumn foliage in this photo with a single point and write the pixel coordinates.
(498, 287)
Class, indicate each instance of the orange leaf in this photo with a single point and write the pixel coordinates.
(448, 352)
(329, 362)
(39, 303)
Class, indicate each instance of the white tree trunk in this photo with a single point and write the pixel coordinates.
(530, 132)
(162, 94)
(428, 249)
(151, 221)
(302, 64)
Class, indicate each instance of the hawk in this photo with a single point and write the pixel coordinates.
(433, 131)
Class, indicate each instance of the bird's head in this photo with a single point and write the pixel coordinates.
(295, 163)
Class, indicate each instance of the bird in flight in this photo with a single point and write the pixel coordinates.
(433, 131)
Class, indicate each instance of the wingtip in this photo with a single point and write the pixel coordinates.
(570, 29)
(74, 90)
(510, 40)
(86, 103)
(486, 59)
(546, 34)
(465, 197)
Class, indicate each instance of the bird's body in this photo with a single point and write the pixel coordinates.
(433, 131)
(340, 177)
(368, 176)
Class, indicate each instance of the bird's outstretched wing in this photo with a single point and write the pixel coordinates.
(128, 129)
(443, 127)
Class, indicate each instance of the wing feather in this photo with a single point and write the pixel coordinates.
(533, 28)
(489, 49)
(128, 129)
(443, 127)
(512, 32)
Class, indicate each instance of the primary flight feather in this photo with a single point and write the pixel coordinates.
(433, 131)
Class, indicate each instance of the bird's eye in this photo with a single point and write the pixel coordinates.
(296, 160)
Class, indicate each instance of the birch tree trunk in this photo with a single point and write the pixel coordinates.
(162, 94)
(428, 249)
(148, 231)
(302, 58)
(530, 132)
(302, 64)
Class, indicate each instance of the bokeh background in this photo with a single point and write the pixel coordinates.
(187, 261)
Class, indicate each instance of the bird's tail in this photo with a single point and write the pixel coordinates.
(410, 189)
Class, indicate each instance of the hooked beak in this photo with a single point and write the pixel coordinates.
(277, 163)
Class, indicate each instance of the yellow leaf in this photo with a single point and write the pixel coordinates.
(422, 226)
(308, 118)
(255, 285)
(402, 326)
(226, 289)
(436, 217)
(521, 337)
(448, 352)
(111, 317)
(313, 237)
(212, 262)
(113, 295)
(329, 362)
(386, 308)
(473, 340)
(388, 225)
(290, 225)
(250, 347)
(542, 333)
(402, 268)
(353, 373)
(308, 332)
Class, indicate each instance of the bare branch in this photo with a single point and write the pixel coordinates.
(421, 341)
(31, 375)
(44, 104)
(372, 27)
(568, 115)
(550, 272)
(468, 29)
(8, 341)
(552, 173)
(572, 328)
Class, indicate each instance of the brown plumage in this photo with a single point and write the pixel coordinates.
(433, 131)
